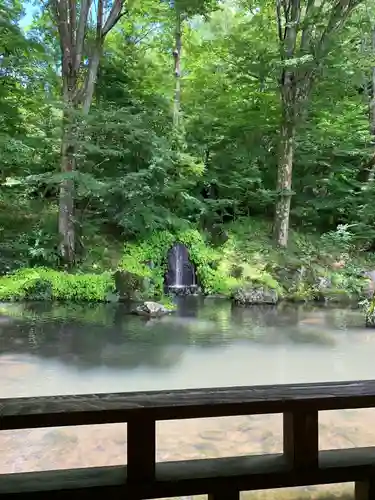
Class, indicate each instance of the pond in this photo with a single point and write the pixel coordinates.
(50, 349)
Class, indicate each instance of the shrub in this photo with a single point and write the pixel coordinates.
(215, 267)
(148, 259)
(47, 284)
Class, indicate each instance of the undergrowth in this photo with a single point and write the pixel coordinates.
(47, 284)
(248, 257)
(218, 269)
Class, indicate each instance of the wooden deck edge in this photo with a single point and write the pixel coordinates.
(189, 477)
(89, 409)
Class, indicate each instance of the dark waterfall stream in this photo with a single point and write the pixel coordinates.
(181, 275)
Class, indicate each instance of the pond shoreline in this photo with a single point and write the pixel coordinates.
(50, 348)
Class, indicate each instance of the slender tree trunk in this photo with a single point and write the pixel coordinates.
(72, 20)
(285, 159)
(299, 35)
(284, 184)
(372, 101)
(91, 80)
(367, 173)
(68, 165)
(371, 173)
(177, 72)
(290, 95)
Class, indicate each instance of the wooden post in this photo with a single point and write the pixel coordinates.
(301, 439)
(365, 490)
(141, 449)
(224, 495)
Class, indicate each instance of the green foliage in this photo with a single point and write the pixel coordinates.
(368, 306)
(148, 258)
(249, 257)
(167, 301)
(138, 181)
(220, 270)
(339, 240)
(47, 284)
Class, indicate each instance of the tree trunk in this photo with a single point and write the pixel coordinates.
(72, 20)
(371, 172)
(285, 160)
(284, 184)
(67, 187)
(177, 72)
(300, 33)
(290, 99)
(91, 80)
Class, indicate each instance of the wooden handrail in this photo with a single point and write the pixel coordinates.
(301, 463)
(56, 411)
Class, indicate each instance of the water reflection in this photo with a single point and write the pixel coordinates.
(59, 349)
(207, 342)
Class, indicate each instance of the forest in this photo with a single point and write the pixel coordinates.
(243, 128)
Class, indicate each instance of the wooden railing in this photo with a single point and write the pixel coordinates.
(300, 464)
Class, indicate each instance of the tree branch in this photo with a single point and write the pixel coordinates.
(339, 14)
(114, 16)
(73, 25)
(99, 21)
(278, 20)
(307, 24)
(60, 13)
(81, 32)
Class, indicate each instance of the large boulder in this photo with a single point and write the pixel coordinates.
(152, 310)
(254, 295)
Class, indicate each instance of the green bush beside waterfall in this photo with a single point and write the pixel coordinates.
(245, 257)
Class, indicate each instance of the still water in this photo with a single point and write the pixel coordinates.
(64, 349)
(47, 350)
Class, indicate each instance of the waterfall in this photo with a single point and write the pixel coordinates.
(179, 266)
(180, 278)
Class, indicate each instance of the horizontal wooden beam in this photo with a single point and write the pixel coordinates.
(189, 477)
(54, 411)
(224, 494)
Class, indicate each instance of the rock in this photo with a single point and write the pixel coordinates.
(6, 320)
(323, 283)
(128, 285)
(253, 295)
(152, 310)
(184, 291)
(370, 320)
(370, 286)
(338, 296)
(369, 308)
(339, 264)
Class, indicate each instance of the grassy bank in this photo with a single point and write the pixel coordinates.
(47, 284)
(239, 254)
